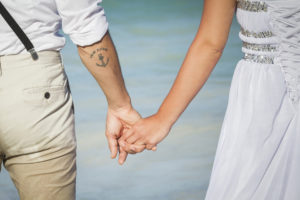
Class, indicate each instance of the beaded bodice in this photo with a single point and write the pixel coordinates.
(270, 31)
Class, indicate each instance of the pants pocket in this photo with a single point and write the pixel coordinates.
(45, 95)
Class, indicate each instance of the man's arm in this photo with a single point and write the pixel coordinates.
(102, 62)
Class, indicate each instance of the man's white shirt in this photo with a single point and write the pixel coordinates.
(83, 20)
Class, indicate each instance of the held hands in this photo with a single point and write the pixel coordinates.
(144, 134)
(118, 121)
(127, 132)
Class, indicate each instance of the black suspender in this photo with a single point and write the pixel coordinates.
(18, 31)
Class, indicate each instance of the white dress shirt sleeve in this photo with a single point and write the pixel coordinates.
(83, 20)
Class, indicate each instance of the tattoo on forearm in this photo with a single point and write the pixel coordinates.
(102, 61)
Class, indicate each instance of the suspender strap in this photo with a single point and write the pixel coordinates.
(18, 31)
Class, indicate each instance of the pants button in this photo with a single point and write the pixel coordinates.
(47, 95)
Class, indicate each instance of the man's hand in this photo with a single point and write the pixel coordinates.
(119, 120)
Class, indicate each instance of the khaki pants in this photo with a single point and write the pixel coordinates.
(37, 136)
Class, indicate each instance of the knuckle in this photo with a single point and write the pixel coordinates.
(148, 147)
(148, 140)
(109, 134)
(140, 151)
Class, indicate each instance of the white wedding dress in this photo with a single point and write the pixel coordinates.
(258, 152)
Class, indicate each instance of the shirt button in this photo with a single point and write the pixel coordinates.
(47, 95)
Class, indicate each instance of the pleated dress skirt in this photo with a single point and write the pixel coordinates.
(258, 152)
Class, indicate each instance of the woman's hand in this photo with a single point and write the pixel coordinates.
(149, 132)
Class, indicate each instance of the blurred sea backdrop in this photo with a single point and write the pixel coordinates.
(152, 38)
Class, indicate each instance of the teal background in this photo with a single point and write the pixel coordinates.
(152, 38)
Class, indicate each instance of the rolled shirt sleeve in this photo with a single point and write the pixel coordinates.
(83, 20)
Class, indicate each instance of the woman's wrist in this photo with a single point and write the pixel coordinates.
(165, 119)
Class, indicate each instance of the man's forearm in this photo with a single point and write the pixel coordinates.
(102, 61)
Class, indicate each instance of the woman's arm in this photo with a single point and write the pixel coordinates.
(201, 58)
